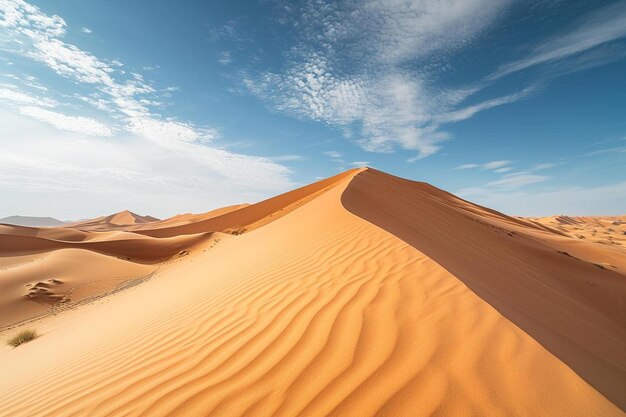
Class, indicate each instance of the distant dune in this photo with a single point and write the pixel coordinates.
(31, 221)
(114, 221)
(363, 294)
(608, 230)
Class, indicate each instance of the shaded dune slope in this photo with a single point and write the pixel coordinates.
(574, 308)
(328, 310)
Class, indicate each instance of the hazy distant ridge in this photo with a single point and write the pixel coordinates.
(32, 221)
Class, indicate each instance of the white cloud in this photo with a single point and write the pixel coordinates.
(48, 172)
(169, 131)
(359, 163)
(348, 67)
(77, 124)
(333, 154)
(600, 27)
(496, 166)
(545, 165)
(517, 180)
(39, 38)
(98, 102)
(280, 158)
(467, 166)
(607, 150)
(225, 58)
(348, 70)
(397, 30)
(582, 201)
(86, 30)
(180, 151)
(470, 111)
(13, 96)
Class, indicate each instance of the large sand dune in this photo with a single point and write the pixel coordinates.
(360, 295)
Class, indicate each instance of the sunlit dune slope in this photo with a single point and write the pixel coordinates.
(359, 296)
(38, 283)
(254, 216)
(45, 269)
(188, 218)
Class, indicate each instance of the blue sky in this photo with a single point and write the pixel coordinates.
(168, 107)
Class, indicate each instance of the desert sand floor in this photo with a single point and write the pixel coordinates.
(366, 295)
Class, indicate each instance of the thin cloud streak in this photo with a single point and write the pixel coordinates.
(496, 166)
(584, 201)
(76, 124)
(600, 27)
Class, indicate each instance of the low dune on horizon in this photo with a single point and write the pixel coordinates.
(363, 294)
(607, 230)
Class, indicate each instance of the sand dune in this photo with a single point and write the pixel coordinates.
(44, 269)
(607, 230)
(127, 245)
(251, 217)
(360, 295)
(189, 218)
(39, 283)
(120, 220)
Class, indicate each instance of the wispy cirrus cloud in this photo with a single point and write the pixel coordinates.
(516, 180)
(597, 28)
(333, 154)
(349, 69)
(359, 163)
(609, 199)
(508, 180)
(373, 69)
(469, 111)
(496, 166)
(225, 58)
(542, 166)
(31, 33)
(61, 121)
(287, 158)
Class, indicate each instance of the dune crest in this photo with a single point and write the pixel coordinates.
(361, 295)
